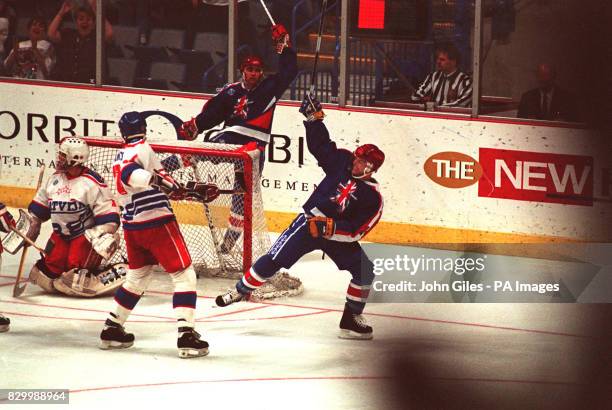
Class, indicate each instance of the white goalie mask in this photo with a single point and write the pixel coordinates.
(72, 151)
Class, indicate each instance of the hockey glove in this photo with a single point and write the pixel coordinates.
(189, 130)
(321, 227)
(164, 183)
(311, 108)
(201, 191)
(280, 37)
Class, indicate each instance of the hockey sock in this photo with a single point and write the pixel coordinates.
(356, 297)
(184, 304)
(126, 301)
(185, 297)
(249, 282)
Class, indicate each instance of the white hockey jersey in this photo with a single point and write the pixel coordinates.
(144, 206)
(75, 204)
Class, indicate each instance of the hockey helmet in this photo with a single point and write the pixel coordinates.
(372, 154)
(132, 125)
(251, 61)
(72, 151)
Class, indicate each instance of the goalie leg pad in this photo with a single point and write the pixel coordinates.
(82, 283)
(41, 277)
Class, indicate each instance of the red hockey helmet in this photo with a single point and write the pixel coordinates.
(372, 154)
(251, 61)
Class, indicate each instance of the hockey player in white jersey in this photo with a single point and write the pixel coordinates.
(6, 222)
(85, 219)
(152, 237)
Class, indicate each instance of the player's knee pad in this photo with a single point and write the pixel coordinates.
(185, 280)
(40, 277)
(137, 280)
(266, 267)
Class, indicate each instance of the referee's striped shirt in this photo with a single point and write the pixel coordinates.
(453, 90)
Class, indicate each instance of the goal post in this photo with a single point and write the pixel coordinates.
(220, 164)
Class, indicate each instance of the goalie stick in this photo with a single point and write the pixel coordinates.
(18, 290)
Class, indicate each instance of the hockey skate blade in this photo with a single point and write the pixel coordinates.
(349, 334)
(4, 328)
(187, 353)
(112, 345)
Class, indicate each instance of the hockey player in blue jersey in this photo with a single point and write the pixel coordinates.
(247, 109)
(344, 207)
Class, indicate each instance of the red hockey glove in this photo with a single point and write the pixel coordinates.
(164, 182)
(201, 191)
(280, 37)
(189, 130)
(321, 226)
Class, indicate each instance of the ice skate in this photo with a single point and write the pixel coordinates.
(354, 326)
(231, 296)
(189, 343)
(4, 323)
(114, 336)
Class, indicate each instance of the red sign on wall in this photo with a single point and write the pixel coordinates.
(536, 176)
(371, 14)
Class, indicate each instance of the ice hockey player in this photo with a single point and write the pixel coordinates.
(85, 219)
(344, 207)
(247, 109)
(152, 237)
(6, 221)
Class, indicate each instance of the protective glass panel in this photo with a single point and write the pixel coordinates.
(414, 54)
(539, 59)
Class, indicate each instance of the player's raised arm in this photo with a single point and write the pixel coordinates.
(214, 112)
(317, 137)
(287, 61)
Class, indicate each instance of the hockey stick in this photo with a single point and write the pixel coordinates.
(18, 290)
(267, 12)
(318, 49)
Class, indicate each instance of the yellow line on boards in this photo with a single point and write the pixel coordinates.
(384, 232)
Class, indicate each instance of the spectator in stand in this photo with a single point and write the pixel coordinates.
(7, 30)
(548, 101)
(447, 86)
(33, 58)
(76, 49)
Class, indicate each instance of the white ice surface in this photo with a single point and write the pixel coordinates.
(285, 354)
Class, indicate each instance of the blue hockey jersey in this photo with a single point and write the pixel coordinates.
(355, 205)
(250, 113)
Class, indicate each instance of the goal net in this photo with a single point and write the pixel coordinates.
(225, 236)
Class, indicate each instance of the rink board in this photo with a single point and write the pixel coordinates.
(451, 179)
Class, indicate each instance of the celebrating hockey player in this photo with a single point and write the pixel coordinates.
(6, 222)
(247, 109)
(85, 218)
(344, 207)
(152, 237)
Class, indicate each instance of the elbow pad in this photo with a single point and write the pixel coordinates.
(140, 178)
